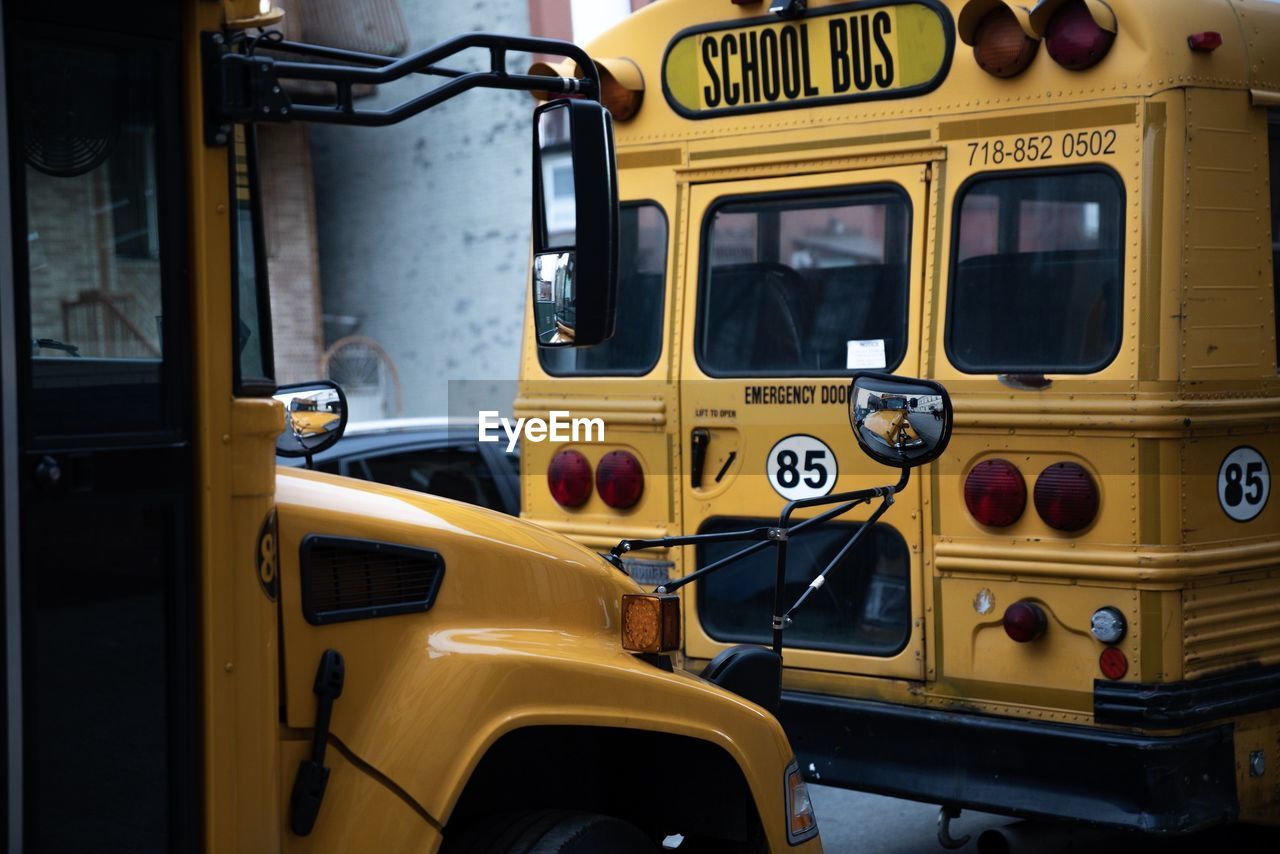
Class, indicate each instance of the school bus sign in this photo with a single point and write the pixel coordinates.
(846, 53)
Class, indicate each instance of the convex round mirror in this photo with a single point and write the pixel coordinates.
(899, 421)
(315, 415)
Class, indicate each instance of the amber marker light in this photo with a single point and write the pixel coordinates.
(650, 622)
(801, 821)
(1000, 46)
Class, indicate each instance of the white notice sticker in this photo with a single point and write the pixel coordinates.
(866, 355)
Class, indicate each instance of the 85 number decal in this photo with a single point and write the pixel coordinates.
(1244, 483)
(801, 466)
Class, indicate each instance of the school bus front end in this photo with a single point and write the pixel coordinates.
(206, 653)
(1067, 216)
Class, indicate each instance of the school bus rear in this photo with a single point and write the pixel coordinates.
(1064, 215)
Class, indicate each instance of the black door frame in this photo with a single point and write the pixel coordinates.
(174, 441)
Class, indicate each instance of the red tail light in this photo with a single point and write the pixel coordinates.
(569, 478)
(1074, 38)
(1206, 42)
(995, 493)
(1000, 47)
(1025, 621)
(1066, 497)
(620, 480)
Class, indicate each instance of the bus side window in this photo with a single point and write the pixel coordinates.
(1037, 272)
(637, 343)
(1273, 151)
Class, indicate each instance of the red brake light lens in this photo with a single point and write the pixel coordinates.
(620, 480)
(1074, 39)
(1000, 47)
(1025, 621)
(569, 478)
(1113, 663)
(1066, 497)
(995, 493)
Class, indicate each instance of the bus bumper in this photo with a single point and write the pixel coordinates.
(1032, 769)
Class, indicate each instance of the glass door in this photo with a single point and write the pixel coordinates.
(104, 463)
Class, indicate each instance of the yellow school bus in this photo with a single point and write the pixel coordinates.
(1068, 215)
(205, 652)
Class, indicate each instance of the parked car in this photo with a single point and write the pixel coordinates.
(436, 455)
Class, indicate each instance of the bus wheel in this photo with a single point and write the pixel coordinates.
(550, 832)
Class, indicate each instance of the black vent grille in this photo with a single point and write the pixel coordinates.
(345, 579)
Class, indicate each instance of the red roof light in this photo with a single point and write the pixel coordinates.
(1074, 39)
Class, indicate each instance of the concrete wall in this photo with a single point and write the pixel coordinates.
(424, 226)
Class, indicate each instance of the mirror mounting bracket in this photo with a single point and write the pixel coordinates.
(242, 85)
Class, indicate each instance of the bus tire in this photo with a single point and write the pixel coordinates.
(550, 832)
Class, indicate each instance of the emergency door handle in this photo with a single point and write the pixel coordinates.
(698, 441)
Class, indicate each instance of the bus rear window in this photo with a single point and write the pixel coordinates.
(863, 609)
(796, 286)
(635, 346)
(1037, 275)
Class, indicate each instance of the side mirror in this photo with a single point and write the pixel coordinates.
(315, 416)
(575, 224)
(899, 421)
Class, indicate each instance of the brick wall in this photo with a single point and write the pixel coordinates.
(289, 226)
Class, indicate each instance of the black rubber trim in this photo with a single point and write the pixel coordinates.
(1030, 769)
(1171, 705)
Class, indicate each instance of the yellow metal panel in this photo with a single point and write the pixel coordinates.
(524, 632)
(1228, 312)
(360, 812)
(976, 648)
(1231, 622)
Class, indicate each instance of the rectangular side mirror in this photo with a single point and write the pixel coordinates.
(575, 224)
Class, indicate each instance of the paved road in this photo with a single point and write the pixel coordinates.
(854, 823)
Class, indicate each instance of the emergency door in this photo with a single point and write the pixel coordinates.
(793, 284)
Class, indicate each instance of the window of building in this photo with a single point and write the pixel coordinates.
(805, 285)
(1037, 274)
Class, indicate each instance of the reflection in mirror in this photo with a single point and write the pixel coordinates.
(314, 417)
(555, 160)
(900, 421)
(554, 303)
(575, 224)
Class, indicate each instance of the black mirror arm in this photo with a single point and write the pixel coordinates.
(764, 537)
(246, 87)
(821, 577)
(780, 617)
